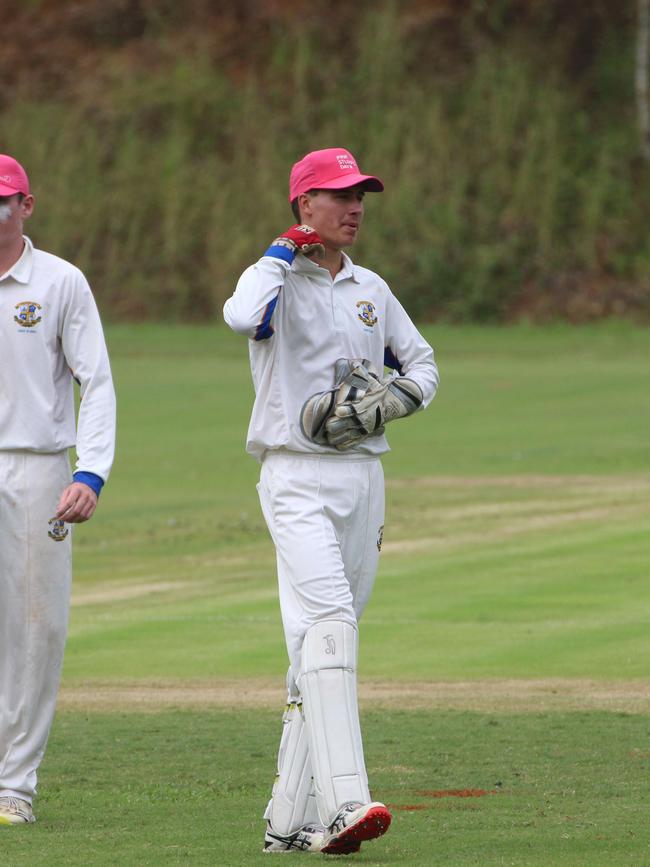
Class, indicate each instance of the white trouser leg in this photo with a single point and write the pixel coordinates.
(293, 800)
(328, 684)
(35, 575)
(325, 516)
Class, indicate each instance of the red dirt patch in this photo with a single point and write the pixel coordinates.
(408, 806)
(457, 793)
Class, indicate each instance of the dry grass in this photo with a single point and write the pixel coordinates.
(492, 696)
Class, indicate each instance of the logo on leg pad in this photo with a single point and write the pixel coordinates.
(331, 644)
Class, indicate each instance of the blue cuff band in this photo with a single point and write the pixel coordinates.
(95, 482)
(278, 252)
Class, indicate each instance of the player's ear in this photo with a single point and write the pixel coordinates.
(304, 206)
(27, 207)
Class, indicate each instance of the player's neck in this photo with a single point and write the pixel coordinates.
(11, 249)
(333, 261)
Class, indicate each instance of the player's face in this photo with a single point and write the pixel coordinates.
(336, 215)
(13, 213)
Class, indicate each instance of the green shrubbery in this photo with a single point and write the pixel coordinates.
(509, 190)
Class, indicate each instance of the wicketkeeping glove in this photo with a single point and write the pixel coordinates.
(355, 418)
(351, 379)
(297, 239)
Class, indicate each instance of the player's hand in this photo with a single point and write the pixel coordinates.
(357, 417)
(353, 377)
(77, 503)
(300, 239)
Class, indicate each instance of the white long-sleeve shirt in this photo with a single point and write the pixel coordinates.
(300, 321)
(50, 333)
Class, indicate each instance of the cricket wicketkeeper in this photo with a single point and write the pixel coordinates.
(321, 332)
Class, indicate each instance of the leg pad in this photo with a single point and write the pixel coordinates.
(292, 802)
(328, 683)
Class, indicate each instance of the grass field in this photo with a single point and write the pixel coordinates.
(505, 651)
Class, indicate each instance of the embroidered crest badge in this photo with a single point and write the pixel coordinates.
(27, 314)
(59, 530)
(366, 312)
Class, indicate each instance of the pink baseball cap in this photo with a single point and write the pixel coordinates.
(13, 177)
(329, 169)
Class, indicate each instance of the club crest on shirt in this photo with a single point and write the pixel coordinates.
(59, 530)
(366, 312)
(27, 315)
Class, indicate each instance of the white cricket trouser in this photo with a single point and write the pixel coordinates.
(35, 578)
(325, 514)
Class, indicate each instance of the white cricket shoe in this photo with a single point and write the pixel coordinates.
(354, 824)
(15, 811)
(307, 839)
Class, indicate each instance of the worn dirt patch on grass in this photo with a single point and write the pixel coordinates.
(493, 696)
(576, 482)
(456, 793)
(553, 503)
(514, 527)
(124, 592)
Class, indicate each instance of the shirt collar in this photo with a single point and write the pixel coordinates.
(304, 265)
(21, 270)
(348, 270)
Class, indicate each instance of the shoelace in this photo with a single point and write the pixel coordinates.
(14, 804)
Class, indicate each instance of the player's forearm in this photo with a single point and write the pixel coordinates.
(84, 348)
(424, 373)
(413, 358)
(408, 353)
(251, 309)
(96, 427)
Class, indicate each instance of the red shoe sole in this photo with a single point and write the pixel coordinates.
(373, 824)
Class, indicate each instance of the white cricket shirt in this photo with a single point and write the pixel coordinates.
(50, 333)
(300, 322)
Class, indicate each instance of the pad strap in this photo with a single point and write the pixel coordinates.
(292, 803)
